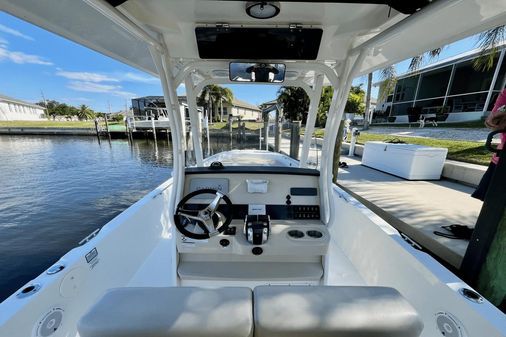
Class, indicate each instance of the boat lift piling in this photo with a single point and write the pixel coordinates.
(97, 129)
(277, 130)
(107, 127)
(230, 130)
(153, 128)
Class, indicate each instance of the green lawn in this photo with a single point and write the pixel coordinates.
(473, 124)
(249, 125)
(466, 151)
(56, 124)
(47, 124)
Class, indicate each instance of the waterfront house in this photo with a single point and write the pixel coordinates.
(12, 109)
(450, 90)
(237, 108)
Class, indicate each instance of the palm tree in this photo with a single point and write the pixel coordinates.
(368, 101)
(225, 95)
(212, 95)
(295, 103)
(84, 112)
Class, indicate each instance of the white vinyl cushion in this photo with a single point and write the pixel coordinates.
(174, 312)
(324, 311)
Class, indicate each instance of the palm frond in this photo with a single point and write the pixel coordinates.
(417, 61)
(388, 73)
(388, 76)
(434, 53)
(488, 43)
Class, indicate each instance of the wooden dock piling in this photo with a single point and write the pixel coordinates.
(295, 139)
(107, 127)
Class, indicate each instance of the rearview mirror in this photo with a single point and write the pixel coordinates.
(257, 72)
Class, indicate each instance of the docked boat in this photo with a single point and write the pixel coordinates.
(252, 243)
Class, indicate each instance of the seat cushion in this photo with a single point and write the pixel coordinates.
(175, 312)
(321, 311)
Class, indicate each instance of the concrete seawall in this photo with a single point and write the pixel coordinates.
(48, 131)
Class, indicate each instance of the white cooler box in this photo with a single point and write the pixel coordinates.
(408, 161)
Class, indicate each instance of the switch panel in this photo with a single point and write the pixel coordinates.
(306, 212)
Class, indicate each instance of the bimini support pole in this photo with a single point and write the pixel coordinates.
(335, 115)
(195, 119)
(311, 118)
(176, 125)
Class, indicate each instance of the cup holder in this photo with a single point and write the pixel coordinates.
(296, 234)
(314, 234)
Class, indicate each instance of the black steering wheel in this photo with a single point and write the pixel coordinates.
(200, 221)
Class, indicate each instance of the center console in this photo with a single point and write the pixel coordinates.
(275, 235)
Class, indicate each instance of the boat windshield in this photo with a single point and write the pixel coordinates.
(264, 130)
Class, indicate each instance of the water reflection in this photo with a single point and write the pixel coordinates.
(56, 190)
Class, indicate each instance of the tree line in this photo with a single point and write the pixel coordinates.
(82, 112)
(296, 103)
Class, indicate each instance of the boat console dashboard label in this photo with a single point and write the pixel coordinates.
(218, 184)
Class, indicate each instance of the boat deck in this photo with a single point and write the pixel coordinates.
(416, 208)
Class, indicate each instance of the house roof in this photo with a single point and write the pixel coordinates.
(4, 98)
(242, 104)
(465, 56)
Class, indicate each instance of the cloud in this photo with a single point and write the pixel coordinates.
(112, 89)
(3, 41)
(21, 58)
(133, 77)
(86, 76)
(14, 32)
(74, 99)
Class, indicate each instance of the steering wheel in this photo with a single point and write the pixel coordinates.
(206, 221)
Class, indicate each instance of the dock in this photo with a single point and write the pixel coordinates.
(414, 208)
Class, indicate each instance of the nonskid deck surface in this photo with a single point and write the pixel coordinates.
(416, 208)
(195, 272)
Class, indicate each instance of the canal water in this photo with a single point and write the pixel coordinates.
(55, 190)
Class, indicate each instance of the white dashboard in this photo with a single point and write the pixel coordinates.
(288, 196)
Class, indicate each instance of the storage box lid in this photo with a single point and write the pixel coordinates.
(406, 147)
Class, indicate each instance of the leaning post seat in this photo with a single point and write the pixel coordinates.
(174, 312)
(324, 311)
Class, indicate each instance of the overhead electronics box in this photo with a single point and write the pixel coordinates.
(258, 43)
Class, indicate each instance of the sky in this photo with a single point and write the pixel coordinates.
(35, 63)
